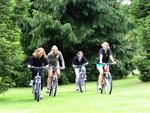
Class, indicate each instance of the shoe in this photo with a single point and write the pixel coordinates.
(47, 90)
(31, 83)
(41, 95)
(85, 79)
(99, 87)
(77, 89)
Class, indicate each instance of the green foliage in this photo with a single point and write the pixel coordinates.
(11, 54)
(5, 84)
(140, 12)
(73, 26)
(124, 97)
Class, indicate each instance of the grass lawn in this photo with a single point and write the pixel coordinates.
(128, 96)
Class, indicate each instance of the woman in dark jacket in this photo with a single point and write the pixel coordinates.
(38, 59)
(78, 60)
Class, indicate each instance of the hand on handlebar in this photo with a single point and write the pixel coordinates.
(114, 62)
(29, 66)
(62, 68)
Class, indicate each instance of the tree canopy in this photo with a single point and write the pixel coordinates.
(74, 25)
(140, 15)
(11, 54)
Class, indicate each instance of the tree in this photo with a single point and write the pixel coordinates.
(72, 26)
(11, 54)
(140, 14)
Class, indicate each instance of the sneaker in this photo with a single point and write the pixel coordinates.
(99, 87)
(77, 89)
(41, 95)
(47, 90)
(31, 83)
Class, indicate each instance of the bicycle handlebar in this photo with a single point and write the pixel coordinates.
(34, 67)
(107, 63)
(56, 68)
(79, 66)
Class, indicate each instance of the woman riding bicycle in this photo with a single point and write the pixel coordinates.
(79, 60)
(105, 54)
(38, 59)
(53, 57)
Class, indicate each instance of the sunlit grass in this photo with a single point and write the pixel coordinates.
(128, 96)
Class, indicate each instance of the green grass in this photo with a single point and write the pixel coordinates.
(128, 96)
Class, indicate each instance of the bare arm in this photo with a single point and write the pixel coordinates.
(112, 59)
(62, 60)
(100, 58)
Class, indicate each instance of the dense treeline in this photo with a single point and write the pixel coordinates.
(140, 15)
(72, 25)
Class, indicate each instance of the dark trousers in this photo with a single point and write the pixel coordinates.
(41, 73)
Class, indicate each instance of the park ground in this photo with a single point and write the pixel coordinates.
(128, 96)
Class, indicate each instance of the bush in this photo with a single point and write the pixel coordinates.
(22, 80)
(144, 71)
(143, 65)
(5, 84)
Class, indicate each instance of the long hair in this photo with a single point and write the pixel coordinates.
(105, 43)
(35, 54)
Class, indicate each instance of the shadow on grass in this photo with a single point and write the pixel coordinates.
(10, 100)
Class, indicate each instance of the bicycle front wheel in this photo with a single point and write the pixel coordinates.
(37, 90)
(36, 93)
(53, 88)
(108, 83)
(82, 85)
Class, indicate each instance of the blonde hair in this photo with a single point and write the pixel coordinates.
(35, 54)
(54, 47)
(105, 43)
(80, 52)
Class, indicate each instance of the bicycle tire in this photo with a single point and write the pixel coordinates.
(50, 91)
(80, 85)
(102, 90)
(37, 90)
(108, 84)
(37, 95)
(53, 88)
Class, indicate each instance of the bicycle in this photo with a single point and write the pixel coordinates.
(37, 83)
(82, 78)
(54, 83)
(107, 82)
